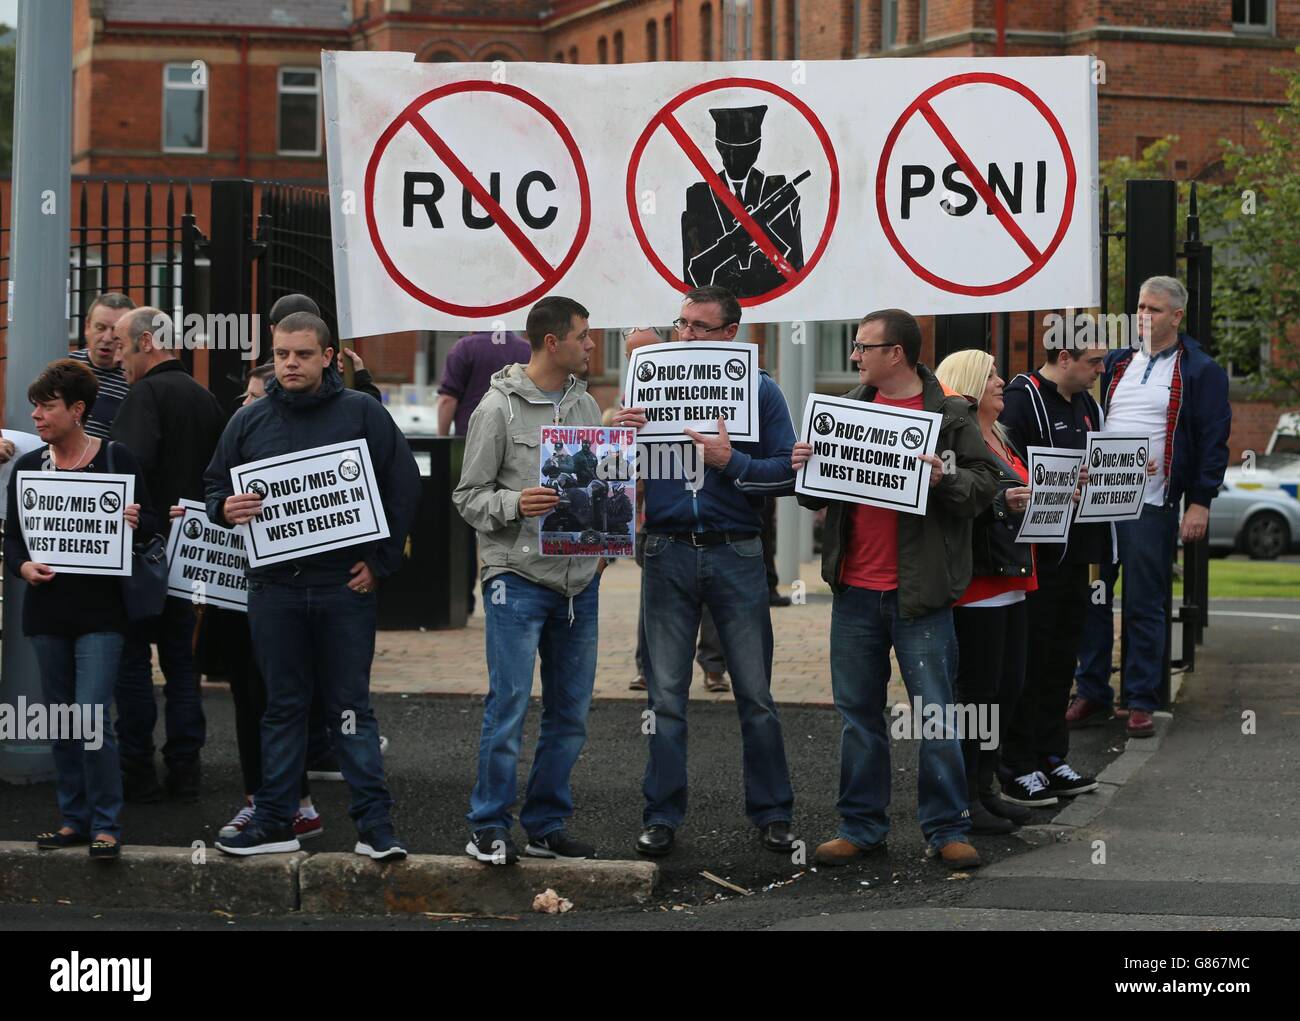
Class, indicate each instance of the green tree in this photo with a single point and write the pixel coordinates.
(7, 54)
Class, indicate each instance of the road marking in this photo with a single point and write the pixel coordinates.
(1262, 616)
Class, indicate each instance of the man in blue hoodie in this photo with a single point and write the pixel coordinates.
(1174, 392)
(313, 619)
(702, 548)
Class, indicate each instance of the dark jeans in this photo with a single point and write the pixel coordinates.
(708, 653)
(248, 691)
(1146, 556)
(990, 672)
(769, 542)
(137, 711)
(534, 620)
(678, 580)
(81, 672)
(1056, 613)
(864, 624)
(307, 640)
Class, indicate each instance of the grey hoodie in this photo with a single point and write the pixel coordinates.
(503, 457)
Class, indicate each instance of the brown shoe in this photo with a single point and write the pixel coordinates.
(715, 683)
(957, 855)
(840, 852)
(638, 684)
(1140, 723)
(1083, 713)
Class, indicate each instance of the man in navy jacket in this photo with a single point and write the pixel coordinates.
(1173, 391)
(702, 548)
(313, 619)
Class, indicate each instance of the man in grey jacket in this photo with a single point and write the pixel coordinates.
(533, 604)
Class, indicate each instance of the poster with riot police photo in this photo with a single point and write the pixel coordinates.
(593, 469)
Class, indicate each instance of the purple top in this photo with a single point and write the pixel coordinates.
(471, 363)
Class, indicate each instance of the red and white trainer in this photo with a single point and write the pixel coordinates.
(304, 827)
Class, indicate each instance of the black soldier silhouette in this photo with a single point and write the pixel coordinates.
(716, 249)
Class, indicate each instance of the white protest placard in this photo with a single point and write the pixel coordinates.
(1053, 474)
(1117, 477)
(867, 453)
(72, 521)
(313, 501)
(690, 385)
(24, 443)
(205, 561)
(460, 196)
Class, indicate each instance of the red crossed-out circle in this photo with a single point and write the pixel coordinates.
(666, 113)
(550, 274)
(1038, 259)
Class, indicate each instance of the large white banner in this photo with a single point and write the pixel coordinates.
(462, 193)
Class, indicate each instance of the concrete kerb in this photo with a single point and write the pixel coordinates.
(203, 879)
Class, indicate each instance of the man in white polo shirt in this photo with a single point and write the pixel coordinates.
(1171, 390)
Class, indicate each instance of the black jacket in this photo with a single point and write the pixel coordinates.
(994, 550)
(1036, 415)
(171, 423)
(282, 422)
(934, 549)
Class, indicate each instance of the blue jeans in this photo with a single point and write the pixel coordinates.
(81, 671)
(677, 581)
(137, 712)
(864, 624)
(523, 620)
(1146, 555)
(317, 639)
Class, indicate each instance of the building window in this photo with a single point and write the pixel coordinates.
(299, 111)
(618, 47)
(573, 54)
(832, 358)
(669, 51)
(888, 24)
(602, 50)
(1253, 16)
(769, 29)
(185, 107)
(706, 31)
(559, 57)
(792, 29)
(922, 15)
(651, 40)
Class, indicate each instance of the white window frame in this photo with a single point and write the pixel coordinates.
(297, 90)
(168, 86)
(1268, 28)
(841, 333)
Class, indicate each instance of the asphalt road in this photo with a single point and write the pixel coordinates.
(430, 766)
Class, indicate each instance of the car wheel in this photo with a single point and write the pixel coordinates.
(1266, 536)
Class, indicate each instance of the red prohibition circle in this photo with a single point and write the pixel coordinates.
(699, 90)
(584, 195)
(882, 206)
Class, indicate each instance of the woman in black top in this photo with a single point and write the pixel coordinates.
(76, 622)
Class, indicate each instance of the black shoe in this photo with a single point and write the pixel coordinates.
(655, 841)
(54, 840)
(1064, 782)
(1030, 790)
(326, 768)
(258, 838)
(558, 845)
(105, 850)
(183, 781)
(1003, 809)
(778, 836)
(493, 846)
(381, 844)
(140, 784)
(985, 823)
(775, 598)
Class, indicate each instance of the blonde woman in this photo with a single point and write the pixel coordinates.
(989, 618)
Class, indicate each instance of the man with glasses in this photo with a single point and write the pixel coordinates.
(702, 549)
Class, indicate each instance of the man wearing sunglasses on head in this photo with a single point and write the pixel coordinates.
(702, 549)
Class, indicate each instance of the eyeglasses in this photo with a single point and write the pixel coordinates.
(682, 325)
(627, 331)
(857, 348)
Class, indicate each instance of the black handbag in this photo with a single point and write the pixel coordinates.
(144, 590)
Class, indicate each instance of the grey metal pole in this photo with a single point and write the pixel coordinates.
(38, 296)
(795, 373)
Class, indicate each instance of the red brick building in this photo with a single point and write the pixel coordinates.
(185, 88)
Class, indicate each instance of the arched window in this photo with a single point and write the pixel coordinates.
(442, 57)
(706, 31)
(651, 40)
(669, 50)
(573, 54)
(618, 47)
(602, 50)
(559, 57)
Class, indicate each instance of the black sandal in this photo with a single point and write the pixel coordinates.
(105, 850)
(55, 840)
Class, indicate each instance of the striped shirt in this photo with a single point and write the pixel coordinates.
(112, 390)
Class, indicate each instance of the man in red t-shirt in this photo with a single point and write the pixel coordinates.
(895, 577)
